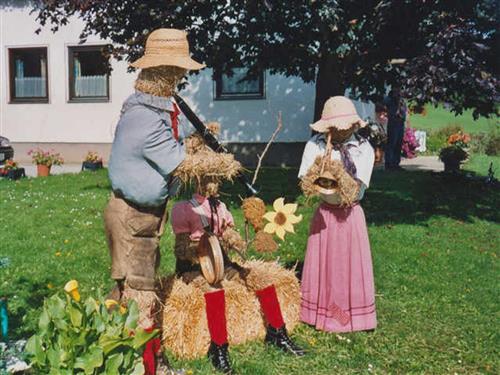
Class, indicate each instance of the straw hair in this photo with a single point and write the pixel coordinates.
(338, 112)
(160, 80)
(185, 330)
(205, 167)
(254, 210)
(167, 47)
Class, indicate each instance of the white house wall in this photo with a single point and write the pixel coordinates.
(60, 122)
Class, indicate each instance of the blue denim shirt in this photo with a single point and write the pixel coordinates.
(144, 152)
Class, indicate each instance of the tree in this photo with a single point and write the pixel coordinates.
(442, 51)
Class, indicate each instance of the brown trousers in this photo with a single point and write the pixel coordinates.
(133, 234)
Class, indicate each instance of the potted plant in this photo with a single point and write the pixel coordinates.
(12, 170)
(455, 153)
(410, 144)
(92, 162)
(44, 160)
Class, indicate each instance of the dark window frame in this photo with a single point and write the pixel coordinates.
(72, 98)
(218, 95)
(12, 76)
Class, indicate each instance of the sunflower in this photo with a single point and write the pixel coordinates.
(281, 220)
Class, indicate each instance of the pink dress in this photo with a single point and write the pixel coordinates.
(338, 293)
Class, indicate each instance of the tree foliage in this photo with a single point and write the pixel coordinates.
(447, 48)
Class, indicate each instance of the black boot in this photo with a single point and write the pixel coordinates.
(279, 337)
(219, 356)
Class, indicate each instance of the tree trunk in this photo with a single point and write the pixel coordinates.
(328, 83)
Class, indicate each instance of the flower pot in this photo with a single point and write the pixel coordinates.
(91, 166)
(15, 174)
(451, 166)
(42, 170)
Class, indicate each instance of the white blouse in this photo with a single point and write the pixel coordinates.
(362, 155)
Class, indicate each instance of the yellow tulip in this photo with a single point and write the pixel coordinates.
(71, 288)
(282, 219)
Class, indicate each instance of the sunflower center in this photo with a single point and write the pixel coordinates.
(280, 218)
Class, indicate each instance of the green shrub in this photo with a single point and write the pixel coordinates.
(486, 143)
(438, 139)
(85, 338)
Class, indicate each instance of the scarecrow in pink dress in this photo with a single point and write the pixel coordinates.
(338, 293)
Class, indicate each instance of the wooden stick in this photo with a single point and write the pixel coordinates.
(261, 156)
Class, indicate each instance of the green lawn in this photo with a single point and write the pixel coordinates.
(434, 240)
(440, 117)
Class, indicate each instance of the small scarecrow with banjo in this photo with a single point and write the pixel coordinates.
(204, 235)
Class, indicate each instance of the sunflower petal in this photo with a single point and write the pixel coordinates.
(280, 232)
(279, 204)
(270, 228)
(269, 216)
(290, 208)
(288, 227)
(294, 219)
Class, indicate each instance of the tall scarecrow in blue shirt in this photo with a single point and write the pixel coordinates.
(147, 148)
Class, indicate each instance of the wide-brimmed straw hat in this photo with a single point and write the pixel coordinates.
(338, 112)
(167, 47)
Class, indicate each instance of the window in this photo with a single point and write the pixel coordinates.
(28, 75)
(237, 87)
(88, 74)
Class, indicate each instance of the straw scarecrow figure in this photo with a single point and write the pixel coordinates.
(207, 278)
(338, 292)
(146, 149)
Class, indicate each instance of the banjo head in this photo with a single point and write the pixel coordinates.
(211, 258)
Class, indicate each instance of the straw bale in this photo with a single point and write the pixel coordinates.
(148, 304)
(185, 330)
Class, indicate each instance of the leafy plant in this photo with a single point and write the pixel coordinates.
(10, 165)
(92, 157)
(84, 337)
(486, 143)
(439, 138)
(48, 158)
(410, 143)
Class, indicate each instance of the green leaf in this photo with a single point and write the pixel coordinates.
(132, 316)
(56, 307)
(91, 306)
(44, 322)
(54, 357)
(113, 363)
(75, 316)
(109, 343)
(138, 369)
(34, 348)
(141, 337)
(91, 360)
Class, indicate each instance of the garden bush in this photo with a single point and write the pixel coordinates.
(438, 139)
(486, 143)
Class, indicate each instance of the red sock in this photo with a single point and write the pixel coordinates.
(270, 306)
(215, 306)
(153, 346)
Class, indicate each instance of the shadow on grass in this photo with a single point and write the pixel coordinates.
(414, 197)
(411, 197)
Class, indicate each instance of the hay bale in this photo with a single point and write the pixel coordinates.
(185, 330)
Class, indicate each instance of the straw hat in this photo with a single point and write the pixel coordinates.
(338, 112)
(167, 47)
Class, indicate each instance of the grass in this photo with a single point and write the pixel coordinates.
(434, 241)
(438, 117)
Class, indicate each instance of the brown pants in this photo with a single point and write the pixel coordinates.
(133, 234)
